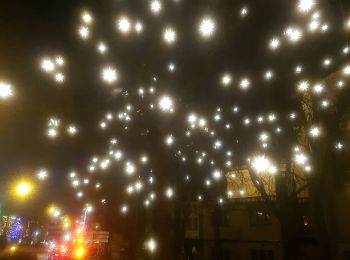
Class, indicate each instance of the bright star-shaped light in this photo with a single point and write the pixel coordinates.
(169, 35)
(84, 32)
(59, 61)
(47, 65)
(5, 90)
(156, 6)
(293, 34)
(166, 104)
(303, 86)
(138, 27)
(86, 17)
(226, 80)
(274, 43)
(109, 75)
(315, 131)
(301, 158)
(72, 130)
(59, 77)
(318, 88)
(207, 27)
(52, 132)
(42, 174)
(244, 83)
(261, 163)
(305, 6)
(124, 25)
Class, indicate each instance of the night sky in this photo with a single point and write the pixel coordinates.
(31, 30)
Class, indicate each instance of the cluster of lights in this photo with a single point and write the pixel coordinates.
(54, 66)
(53, 128)
(124, 25)
(84, 29)
(260, 163)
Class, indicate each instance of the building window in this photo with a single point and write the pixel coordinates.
(261, 254)
(258, 218)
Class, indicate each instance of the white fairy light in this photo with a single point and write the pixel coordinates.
(59, 61)
(301, 158)
(244, 83)
(42, 174)
(169, 140)
(226, 80)
(327, 62)
(171, 67)
(217, 144)
(124, 24)
(59, 77)
(166, 104)
(347, 24)
(86, 17)
(293, 34)
(268, 75)
(263, 137)
(72, 130)
(47, 65)
(52, 132)
(169, 35)
(109, 75)
(346, 70)
(298, 69)
(260, 163)
(318, 88)
(303, 86)
(324, 27)
(192, 118)
(169, 192)
(84, 32)
(339, 146)
(314, 25)
(206, 27)
(324, 103)
(305, 6)
(5, 90)
(130, 168)
(244, 11)
(144, 159)
(124, 209)
(315, 131)
(340, 84)
(216, 174)
(155, 6)
(151, 245)
(274, 43)
(138, 27)
(102, 48)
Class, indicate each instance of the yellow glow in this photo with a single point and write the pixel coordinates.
(80, 252)
(13, 248)
(23, 189)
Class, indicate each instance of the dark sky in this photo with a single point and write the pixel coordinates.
(30, 30)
